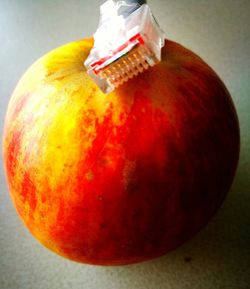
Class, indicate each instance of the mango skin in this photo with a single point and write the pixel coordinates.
(125, 177)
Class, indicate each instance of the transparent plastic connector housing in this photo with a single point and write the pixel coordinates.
(127, 42)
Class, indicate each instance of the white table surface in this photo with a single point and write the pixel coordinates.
(219, 256)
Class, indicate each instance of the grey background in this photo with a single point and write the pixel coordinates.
(219, 256)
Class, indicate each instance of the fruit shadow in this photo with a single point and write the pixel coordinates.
(218, 256)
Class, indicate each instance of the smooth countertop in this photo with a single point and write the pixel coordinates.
(219, 256)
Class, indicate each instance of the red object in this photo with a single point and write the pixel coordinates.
(124, 177)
